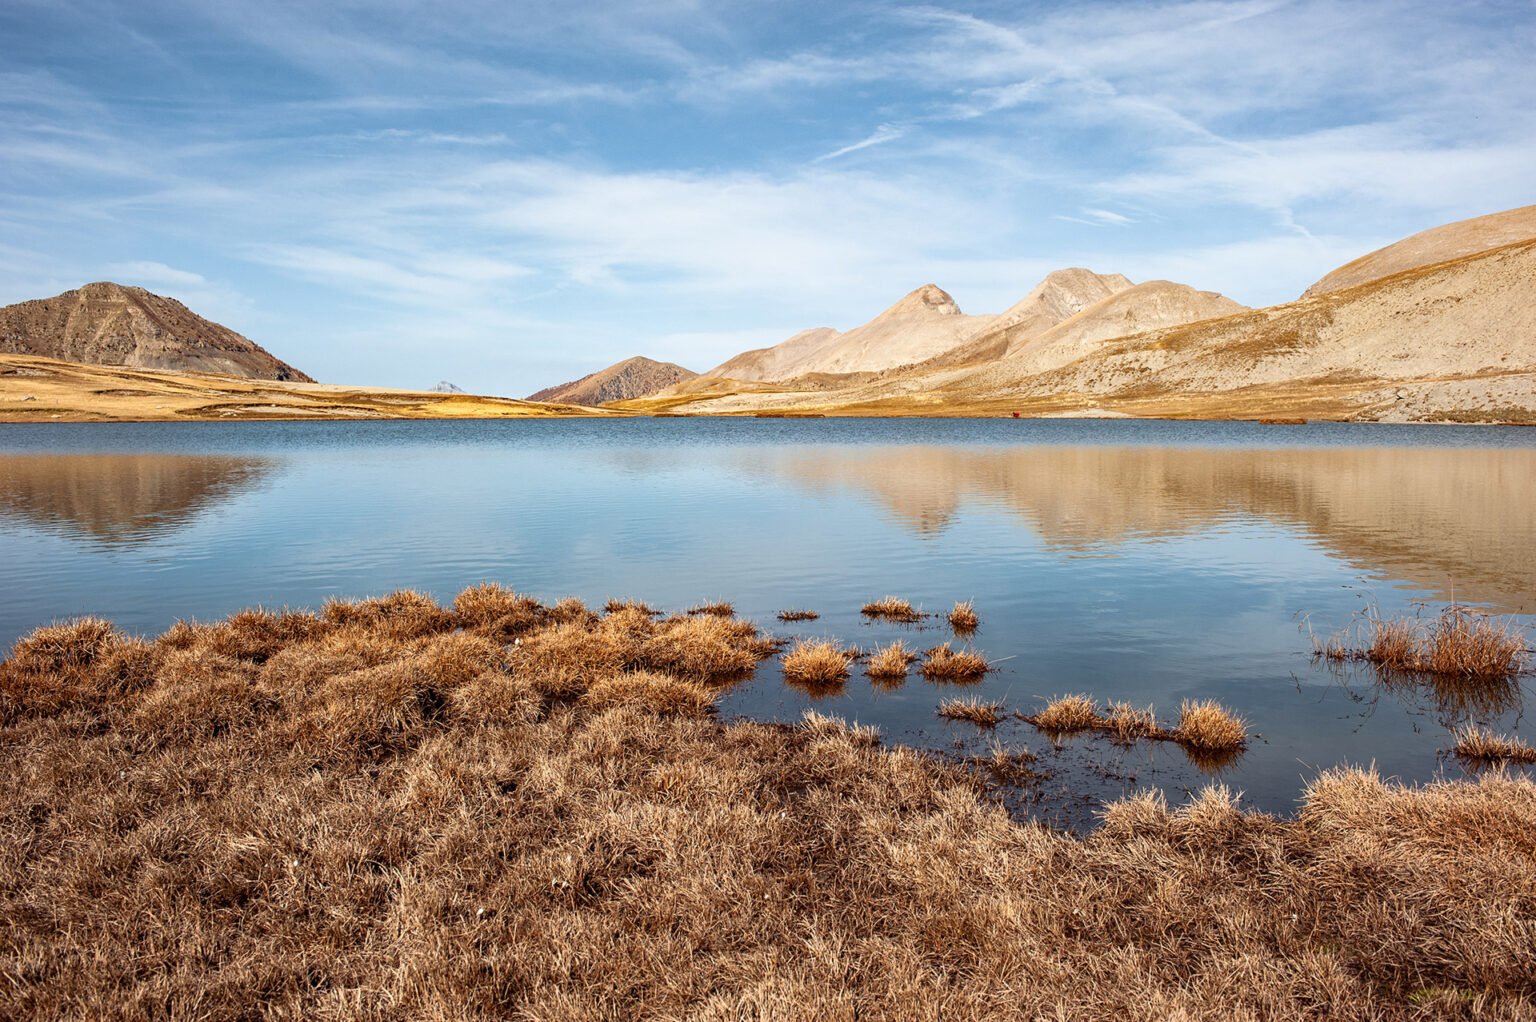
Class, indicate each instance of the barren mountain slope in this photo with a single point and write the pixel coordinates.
(1152, 305)
(924, 323)
(1454, 340)
(622, 381)
(1471, 318)
(1060, 296)
(1436, 245)
(775, 362)
(109, 324)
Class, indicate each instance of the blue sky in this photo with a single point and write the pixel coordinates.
(508, 195)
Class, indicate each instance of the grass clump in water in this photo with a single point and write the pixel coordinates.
(1460, 643)
(798, 615)
(1067, 715)
(717, 608)
(973, 711)
(962, 617)
(1127, 723)
(1206, 726)
(892, 608)
(890, 663)
(1480, 746)
(957, 665)
(817, 662)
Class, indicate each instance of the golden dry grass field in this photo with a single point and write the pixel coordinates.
(500, 809)
(36, 389)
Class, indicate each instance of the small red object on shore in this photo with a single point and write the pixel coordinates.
(1015, 415)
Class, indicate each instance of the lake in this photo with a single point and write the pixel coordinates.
(1144, 561)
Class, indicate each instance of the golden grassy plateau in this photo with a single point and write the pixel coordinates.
(34, 389)
(501, 809)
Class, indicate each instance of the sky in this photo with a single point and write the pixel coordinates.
(507, 195)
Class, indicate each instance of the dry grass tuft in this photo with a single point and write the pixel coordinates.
(718, 608)
(705, 648)
(1473, 743)
(964, 666)
(648, 690)
(615, 606)
(817, 662)
(1009, 766)
(497, 612)
(1066, 715)
(890, 662)
(973, 711)
(826, 726)
(798, 615)
(1466, 644)
(82, 662)
(562, 661)
(66, 647)
(892, 608)
(1127, 723)
(403, 615)
(963, 619)
(1461, 643)
(1205, 726)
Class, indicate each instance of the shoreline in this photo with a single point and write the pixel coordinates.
(499, 806)
(79, 392)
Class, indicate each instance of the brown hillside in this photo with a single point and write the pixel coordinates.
(1152, 305)
(623, 381)
(110, 324)
(923, 324)
(1436, 245)
(46, 390)
(775, 363)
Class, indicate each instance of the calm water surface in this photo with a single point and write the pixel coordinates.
(1146, 561)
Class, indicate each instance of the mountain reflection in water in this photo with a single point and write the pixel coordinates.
(120, 499)
(1456, 523)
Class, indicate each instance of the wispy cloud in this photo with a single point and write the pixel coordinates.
(881, 135)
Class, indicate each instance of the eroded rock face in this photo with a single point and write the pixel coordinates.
(623, 381)
(111, 324)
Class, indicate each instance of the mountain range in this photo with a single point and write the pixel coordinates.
(1438, 326)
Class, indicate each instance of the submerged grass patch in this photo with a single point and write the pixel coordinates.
(1476, 744)
(1205, 725)
(817, 662)
(715, 608)
(1211, 734)
(798, 615)
(972, 710)
(955, 665)
(1127, 723)
(963, 618)
(1066, 715)
(890, 662)
(1460, 643)
(508, 810)
(892, 608)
